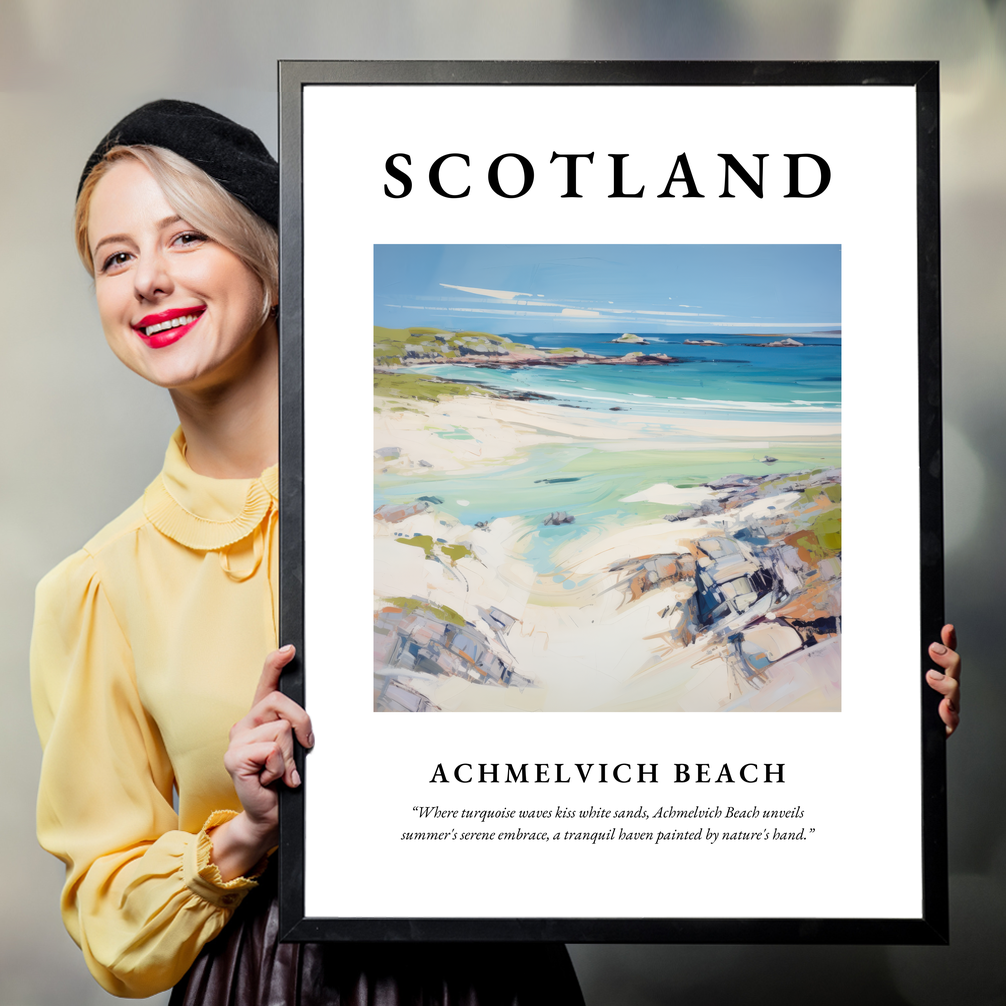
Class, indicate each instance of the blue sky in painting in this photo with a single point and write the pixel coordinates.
(503, 289)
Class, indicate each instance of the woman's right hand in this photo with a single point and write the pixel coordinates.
(260, 753)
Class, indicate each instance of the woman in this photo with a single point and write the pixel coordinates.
(148, 643)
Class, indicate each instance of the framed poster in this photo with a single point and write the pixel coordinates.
(583, 366)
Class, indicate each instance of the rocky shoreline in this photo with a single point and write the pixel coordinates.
(511, 361)
(434, 347)
(754, 582)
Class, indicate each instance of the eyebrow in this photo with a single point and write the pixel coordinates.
(111, 238)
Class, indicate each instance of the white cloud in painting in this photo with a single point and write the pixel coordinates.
(495, 294)
(509, 304)
(605, 316)
(683, 314)
(567, 311)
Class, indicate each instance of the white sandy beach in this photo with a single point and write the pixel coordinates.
(586, 642)
(500, 427)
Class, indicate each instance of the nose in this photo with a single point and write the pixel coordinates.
(152, 277)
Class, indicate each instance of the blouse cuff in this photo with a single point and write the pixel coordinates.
(202, 876)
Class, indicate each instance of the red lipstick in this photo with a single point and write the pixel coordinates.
(166, 327)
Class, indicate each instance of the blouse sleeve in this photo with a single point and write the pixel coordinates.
(141, 898)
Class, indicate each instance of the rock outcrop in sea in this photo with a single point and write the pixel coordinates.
(559, 517)
(783, 343)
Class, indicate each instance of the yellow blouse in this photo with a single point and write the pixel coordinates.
(147, 647)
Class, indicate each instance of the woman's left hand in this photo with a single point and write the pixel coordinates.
(260, 754)
(947, 682)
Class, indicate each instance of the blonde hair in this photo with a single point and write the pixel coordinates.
(199, 200)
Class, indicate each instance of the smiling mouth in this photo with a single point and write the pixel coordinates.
(185, 319)
(166, 322)
(167, 327)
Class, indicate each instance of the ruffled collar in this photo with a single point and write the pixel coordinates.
(203, 513)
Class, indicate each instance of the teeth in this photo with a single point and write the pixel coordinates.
(174, 323)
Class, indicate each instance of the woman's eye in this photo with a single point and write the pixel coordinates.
(114, 261)
(190, 238)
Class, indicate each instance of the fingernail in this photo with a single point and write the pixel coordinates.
(295, 777)
(936, 675)
(287, 649)
(310, 740)
(938, 648)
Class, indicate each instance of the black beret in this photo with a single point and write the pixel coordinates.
(230, 154)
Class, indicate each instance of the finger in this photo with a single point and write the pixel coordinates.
(944, 684)
(276, 706)
(271, 670)
(273, 708)
(948, 659)
(274, 766)
(950, 716)
(949, 636)
(261, 760)
(949, 708)
(278, 732)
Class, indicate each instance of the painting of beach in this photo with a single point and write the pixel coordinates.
(607, 478)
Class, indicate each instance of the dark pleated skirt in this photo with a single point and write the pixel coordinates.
(246, 965)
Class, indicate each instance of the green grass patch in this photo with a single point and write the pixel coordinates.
(393, 346)
(423, 541)
(455, 552)
(441, 611)
(425, 389)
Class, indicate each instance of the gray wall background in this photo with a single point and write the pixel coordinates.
(82, 436)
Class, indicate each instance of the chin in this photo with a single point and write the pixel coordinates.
(170, 374)
(191, 364)
(190, 378)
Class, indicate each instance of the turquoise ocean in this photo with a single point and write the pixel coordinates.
(743, 381)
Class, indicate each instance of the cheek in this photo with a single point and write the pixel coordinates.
(113, 313)
(246, 300)
(224, 279)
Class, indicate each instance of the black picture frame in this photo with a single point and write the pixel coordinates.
(931, 927)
